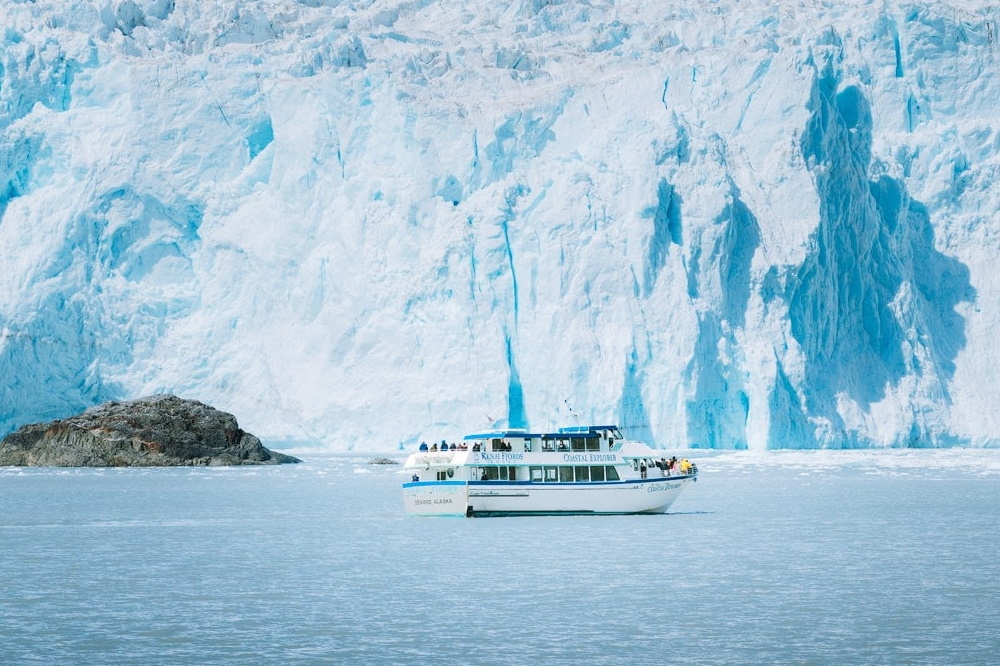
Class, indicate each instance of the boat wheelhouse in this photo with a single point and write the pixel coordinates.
(575, 470)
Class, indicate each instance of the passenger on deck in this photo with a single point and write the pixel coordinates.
(475, 447)
(423, 446)
(434, 447)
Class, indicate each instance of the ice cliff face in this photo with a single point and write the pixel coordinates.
(371, 223)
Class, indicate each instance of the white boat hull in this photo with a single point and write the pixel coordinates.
(480, 498)
(436, 498)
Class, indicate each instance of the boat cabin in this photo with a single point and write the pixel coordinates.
(585, 454)
(582, 438)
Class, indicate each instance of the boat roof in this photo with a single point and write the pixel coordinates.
(561, 433)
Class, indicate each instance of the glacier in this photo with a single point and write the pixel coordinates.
(366, 224)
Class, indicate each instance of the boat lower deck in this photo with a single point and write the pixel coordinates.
(513, 498)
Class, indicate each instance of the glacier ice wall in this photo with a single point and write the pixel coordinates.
(371, 223)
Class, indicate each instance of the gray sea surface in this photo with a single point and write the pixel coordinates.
(887, 557)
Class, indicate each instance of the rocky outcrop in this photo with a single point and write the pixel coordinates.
(160, 430)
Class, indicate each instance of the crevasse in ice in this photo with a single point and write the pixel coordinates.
(371, 223)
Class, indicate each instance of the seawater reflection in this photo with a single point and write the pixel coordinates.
(864, 557)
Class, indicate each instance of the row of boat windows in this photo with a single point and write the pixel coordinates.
(567, 444)
(552, 473)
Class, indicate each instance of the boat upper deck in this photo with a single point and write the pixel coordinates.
(580, 445)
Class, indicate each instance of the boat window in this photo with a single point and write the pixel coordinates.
(507, 473)
(579, 444)
(442, 476)
(489, 474)
(593, 444)
(527, 445)
(547, 445)
(551, 474)
(561, 444)
(535, 473)
(597, 473)
(582, 473)
(565, 474)
(498, 445)
(612, 473)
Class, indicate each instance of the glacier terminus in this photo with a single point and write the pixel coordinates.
(367, 224)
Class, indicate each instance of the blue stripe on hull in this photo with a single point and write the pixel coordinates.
(522, 514)
(414, 484)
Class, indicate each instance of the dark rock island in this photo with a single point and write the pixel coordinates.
(157, 431)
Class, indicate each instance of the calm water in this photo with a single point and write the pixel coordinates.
(790, 558)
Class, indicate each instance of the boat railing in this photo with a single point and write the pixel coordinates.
(428, 457)
(667, 473)
(658, 472)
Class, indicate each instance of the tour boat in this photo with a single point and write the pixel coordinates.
(576, 470)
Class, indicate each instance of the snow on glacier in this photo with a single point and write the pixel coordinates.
(371, 223)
